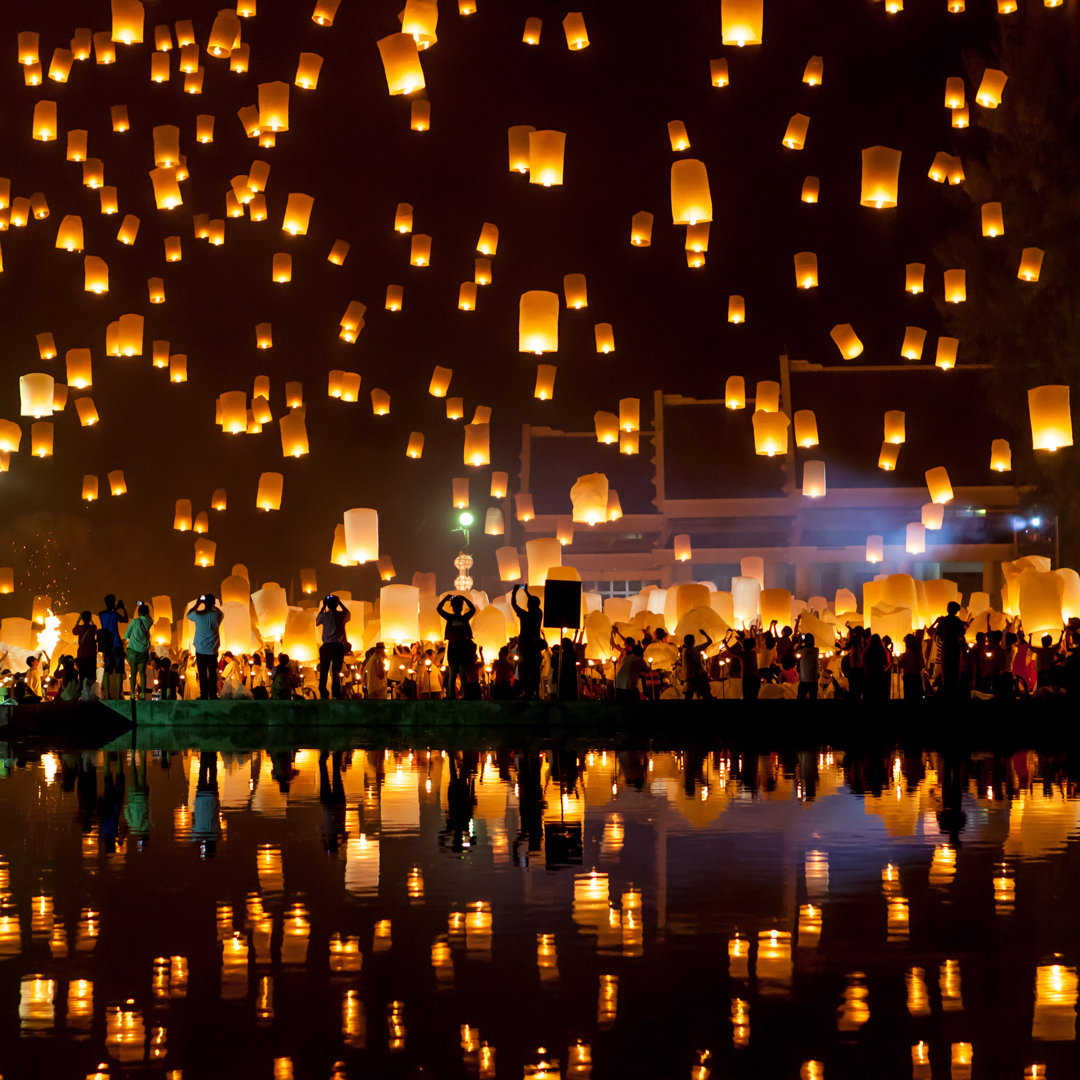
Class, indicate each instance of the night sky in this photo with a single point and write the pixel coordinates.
(350, 147)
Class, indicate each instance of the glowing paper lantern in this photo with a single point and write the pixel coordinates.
(467, 296)
(324, 12)
(36, 394)
(87, 411)
(7, 581)
(542, 555)
(440, 381)
(219, 500)
(362, 535)
(945, 357)
(420, 250)
(993, 223)
(459, 498)
(264, 335)
(129, 229)
(811, 189)
(574, 28)
(895, 427)
(1000, 456)
(508, 564)
(767, 396)
(523, 507)
(415, 449)
(531, 34)
(691, 199)
(607, 427)
(1031, 259)
(736, 312)
(955, 286)
(156, 289)
(814, 71)
(493, 522)
(880, 177)
(890, 454)
(520, 152)
(79, 373)
(547, 150)
(589, 498)
(41, 439)
(735, 392)
(795, 133)
(574, 291)
(538, 322)
(46, 346)
(770, 433)
(294, 395)
(915, 538)
(914, 339)
(10, 436)
(1041, 595)
(641, 229)
(44, 122)
(847, 341)
(741, 21)
(482, 272)
(104, 50)
(914, 273)
(933, 516)
(420, 116)
(677, 135)
(60, 65)
(380, 402)
(28, 47)
(395, 297)
(806, 270)
(813, 480)
(167, 194)
(961, 117)
(806, 432)
(90, 488)
(477, 444)
(991, 88)
(746, 599)
(294, 437)
(127, 22)
(937, 483)
(1051, 417)
(399, 613)
(401, 64)
(297, 214)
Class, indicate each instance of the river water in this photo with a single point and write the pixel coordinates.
(573, 911)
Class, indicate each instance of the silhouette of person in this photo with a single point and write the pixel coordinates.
(332, 799)
(332, 617)
(460, 648)
(950, 631)
(530, 641)
(695, 679)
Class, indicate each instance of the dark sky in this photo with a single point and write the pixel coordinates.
(349, 146)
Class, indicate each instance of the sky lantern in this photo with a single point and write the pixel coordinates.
(41, 439)
(339, 252)
(875, 549)
(847, 341)
(493, 522)
(1000, 455)
(641, 229)
(880, 177)
(129, 333)
(395, 297)
(467, 296)
(86, 411)
(281, 268)
(274, 106)
(914, 276)
(36, 394)
(119, 116)
(10, 436)
(420, 115)
(933, 516)
(697, 236)
(912, 346)
(90, 488)
(937, 483)
(735, 392)
(795, 133)
(79, 375)
(205, 552)
(811, 188)
(993, 222)
(93, 176)
(201, 524)
(415, 447)
(76, 145)
(718, 72)
(160, 67)
(178, 368)
(605, 337)
(574, 291)
(294, 437)
(691, 200)
(420, 250)
(890, 454)
(264, 335)
(955, 286)
(166, 146)
(352, 322)
(403, 218)
(629, 442)
(945, 358)
(297, 214)
(544, 388)
(104, 49)
(440, 381)
(477, 444)
(350, 386)
(127, 22)
(380, 402)
(189, 58)
(1051, 417)
(629, 414)
(219, 500)
(324, 12)
(240, 59)
(399, 613)
(44, 123)
(547, 150)
(961, 118)
(531, 34)
(60, 65)
(268, 496)
(954, 93)
(419, 19)
(767, 396)
(523, 507)
(28, 47)
(770, 433)
(260, 410)
(488, 241)
(334, 383)
(233, 412)
(813, 480)
(46, 345)
(204, 128)
(224, 33)
(736, 311)
(173, 249)
(806, 432)
(577, 37)
(806, 270)
(401, 64)
(193, 81)
(129, 229)
(741, 21)
(991, 88)
(915, 538)
(589, 497)
(814, 71)
(677, 136)
(1031, 259)
(459, 497)
(155, 287)
(606, 425)
(509, 563)
(895, 427)
(69, 237)
(538, 322)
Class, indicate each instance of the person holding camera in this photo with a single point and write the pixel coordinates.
(207, 617)
(332, 617)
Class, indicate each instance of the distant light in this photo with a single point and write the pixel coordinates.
(465, 518)
(1036, 522)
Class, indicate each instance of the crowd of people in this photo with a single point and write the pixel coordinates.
(944, 659)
